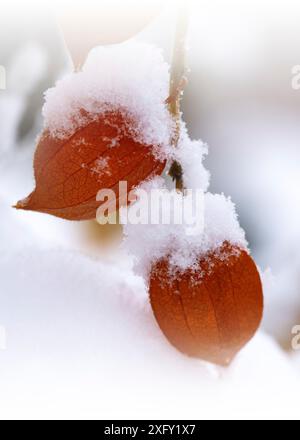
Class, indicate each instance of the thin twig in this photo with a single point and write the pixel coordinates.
(178, 83)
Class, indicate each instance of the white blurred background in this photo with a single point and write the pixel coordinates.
(239, 100)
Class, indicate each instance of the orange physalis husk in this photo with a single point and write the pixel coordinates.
(213, 312)
(70, 172)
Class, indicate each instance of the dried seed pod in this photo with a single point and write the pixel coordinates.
(211, 313)
(70, 172)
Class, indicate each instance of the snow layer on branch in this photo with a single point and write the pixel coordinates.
(132, 77)
(191, 154)
(211, 222)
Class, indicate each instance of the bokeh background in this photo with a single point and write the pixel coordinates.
(239, 100)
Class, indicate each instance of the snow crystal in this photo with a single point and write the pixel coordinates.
(151, 242)
(101, 166)
(132, 78)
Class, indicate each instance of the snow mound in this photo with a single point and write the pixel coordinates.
(131, 77)
(184, 243)
(81, 329)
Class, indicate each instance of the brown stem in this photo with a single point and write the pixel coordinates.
(177, 85)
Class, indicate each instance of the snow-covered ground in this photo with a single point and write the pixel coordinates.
(81, 340)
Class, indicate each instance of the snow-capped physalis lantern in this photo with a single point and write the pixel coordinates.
(70, 172)
(104, 124)
(210, 312)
